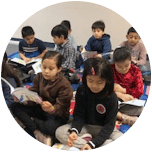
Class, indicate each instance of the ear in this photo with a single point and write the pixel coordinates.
(127, 36)
(59, 70)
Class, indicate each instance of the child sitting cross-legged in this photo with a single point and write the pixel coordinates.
(95, 110)
(56, 92)
(128, 80)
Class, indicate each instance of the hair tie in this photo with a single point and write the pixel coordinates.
(93, 71)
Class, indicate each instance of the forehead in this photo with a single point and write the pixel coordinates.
(94, 78)
(97, 29)
(29, 37)
(49, 62)
(123, 63)
(134, 34)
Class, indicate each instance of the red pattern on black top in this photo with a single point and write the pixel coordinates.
(132, 80)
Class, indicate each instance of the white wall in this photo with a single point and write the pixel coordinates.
(81, 15)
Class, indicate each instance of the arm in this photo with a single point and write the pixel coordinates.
(137, 90)
(142, 55)
(79, 111)
(106, 49)
(109, 123)
(23, 57)
(88, 46)
(61, 107)
(119, 88)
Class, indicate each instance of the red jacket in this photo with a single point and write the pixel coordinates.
(132, 80)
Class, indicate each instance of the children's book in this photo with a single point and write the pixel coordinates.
(37, 67)
(23, 94)
(22, 62)
(88, 54)
(135, 102)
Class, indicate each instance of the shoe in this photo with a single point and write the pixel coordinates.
(129, 120)
(45, 139)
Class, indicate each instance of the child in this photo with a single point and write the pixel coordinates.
(99, 42)
(56, 93)
(30, 47)
(127, 77)
(9, 75)
(136, 48)
(64, 47)
(72, 40)
(95, 110)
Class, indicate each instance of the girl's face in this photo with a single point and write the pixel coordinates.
(49, 69)
(123, 67)
(95, 83)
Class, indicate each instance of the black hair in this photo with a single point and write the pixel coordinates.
(121, 54)
(54, 55)
(103, 69)
(27, 31)
(131, 29)
(7, 71)
(67, 24)
(59, 30)
(98, 24)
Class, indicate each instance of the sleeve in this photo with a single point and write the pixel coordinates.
(35, 86)
(88, 46)
(63, 100)
(106, 49)
(122, 43)
(109, 123)
(21, 46)
(137, 90)
(142, 55)
(41, 46)
(70, 58)
(79, 111)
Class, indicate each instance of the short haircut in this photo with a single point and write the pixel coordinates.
(27, 31)
(67, 24)
(121, 54)
(54, 55)
(59, 30)
(102, 69)
(131, 29)
(98, 24)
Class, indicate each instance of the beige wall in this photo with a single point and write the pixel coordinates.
(81, 15)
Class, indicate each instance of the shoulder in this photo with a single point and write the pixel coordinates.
(113, 99)
(134, 69)
(22, 42)
(124, 43)
(38, 41)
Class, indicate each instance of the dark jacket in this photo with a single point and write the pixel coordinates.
(59, 93)
(102, 45)
(95, 110)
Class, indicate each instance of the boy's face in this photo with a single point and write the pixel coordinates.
(133, 38)
(58, 40)
(95, 83)
(123, 66)
(29, 39)
(97, 33)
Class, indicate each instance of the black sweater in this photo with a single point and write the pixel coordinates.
(93, 109)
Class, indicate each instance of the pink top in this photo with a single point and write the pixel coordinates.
(138, 51)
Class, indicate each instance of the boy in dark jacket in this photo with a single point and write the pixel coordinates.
(99, 42)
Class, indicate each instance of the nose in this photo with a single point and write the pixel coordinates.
(46, 70)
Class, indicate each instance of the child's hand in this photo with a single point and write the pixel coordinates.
(86, 147)
(127, 97)
(73, 136)
(27, 59)
(47, 106)
(99, 55)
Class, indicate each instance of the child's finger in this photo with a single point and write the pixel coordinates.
(70, 143)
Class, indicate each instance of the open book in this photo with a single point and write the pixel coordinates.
(22, 62)
(37, 67)
(88, 54)
(23, 94)
(135, 102)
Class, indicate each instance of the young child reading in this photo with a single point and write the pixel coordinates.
(128, 79)
(56, 93)
(95, 110)
(30, 47)
(99, 42)
(136, 48)
(71, 38)
(64, 47)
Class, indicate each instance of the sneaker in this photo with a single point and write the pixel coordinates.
(87, 137)
(45, 139)
(129, 120)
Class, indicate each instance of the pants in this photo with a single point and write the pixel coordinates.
(62, 134)
(34, 118)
